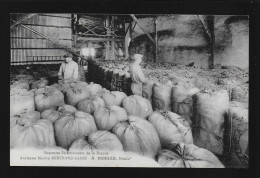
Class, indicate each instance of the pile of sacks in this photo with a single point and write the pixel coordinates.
(211, 116)
(22, 91)
(82, 116)
(175, 125)
(207, 113)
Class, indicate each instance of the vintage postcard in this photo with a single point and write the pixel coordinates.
(129, 90)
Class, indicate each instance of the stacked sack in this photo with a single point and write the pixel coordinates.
(203, 114)
(21, 99)
(39, 83)
(181, 155)
(29, 131)
(210, 116)
(182, 101)
(82, 116)
(75, 92)
(24, 78)
(48, 97)
(111, 75)
(237, 149)
(161, 97)
(28, 98)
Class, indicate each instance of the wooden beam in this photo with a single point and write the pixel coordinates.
(113, 50)
(74, 33)
(130, 29)
(53, 26)
(54, 16)
(35, 48)
(99, 39)
(126, 42)
(124, 25)
(89, 30)
(38, 61)
(135, 19)
(209, 28)
(127, 29)
(49, 39)
(205, 26)
(22, 19)
(129, 26)
(134, 25)
(72, 23)
(109, 35)
(30, 38)
(210, 22)
(156, 39)
(107, 53)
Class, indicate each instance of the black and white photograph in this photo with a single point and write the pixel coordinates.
(129, 90)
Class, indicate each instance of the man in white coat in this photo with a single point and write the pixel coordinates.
(68, 69)
(137, 75)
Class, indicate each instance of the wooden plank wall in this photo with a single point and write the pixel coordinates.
(25, 45)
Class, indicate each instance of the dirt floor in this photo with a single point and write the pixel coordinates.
(233, 79)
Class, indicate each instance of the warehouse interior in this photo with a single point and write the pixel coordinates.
(196, 67)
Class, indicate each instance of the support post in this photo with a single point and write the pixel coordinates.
(85, 38)
(124, 26)
(134, 25)
(107, 57)
(210, 21)
(113, 42)
(209, 28)
(108, 47)
(73, 23)
(204, 24)
(113, 50)
(75, 29)
(128, 28)
(156, 40)
(126, 41)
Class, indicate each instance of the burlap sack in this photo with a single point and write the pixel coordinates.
(182, 102)
(147, 90)
(210, 113)
(238, 156)
(136, 89)
(182, 155)
(161, 99)
(21, 102)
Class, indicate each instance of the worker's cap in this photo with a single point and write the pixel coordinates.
(68, 55)
(138, 56)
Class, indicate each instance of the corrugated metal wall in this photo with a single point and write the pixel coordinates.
(27, 46)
